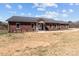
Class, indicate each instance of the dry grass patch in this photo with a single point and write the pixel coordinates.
(36, 43)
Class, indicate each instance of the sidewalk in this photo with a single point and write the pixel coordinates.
(69, 30)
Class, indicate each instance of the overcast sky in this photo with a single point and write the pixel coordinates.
(57, 11)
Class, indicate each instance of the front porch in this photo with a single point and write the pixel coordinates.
(42, 26)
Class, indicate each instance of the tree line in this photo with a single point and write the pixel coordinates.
(73, 24)
(3, 25)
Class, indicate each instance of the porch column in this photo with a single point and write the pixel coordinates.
(36, 26)
(44, 26)
(56, 26)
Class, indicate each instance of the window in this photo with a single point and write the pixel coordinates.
(17, 25)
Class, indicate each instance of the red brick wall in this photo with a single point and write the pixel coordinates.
(23, 27)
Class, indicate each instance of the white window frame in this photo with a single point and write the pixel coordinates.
(17, 27)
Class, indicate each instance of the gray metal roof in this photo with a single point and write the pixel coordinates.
(33, 19)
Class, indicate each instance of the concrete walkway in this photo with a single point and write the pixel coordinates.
(69, 30)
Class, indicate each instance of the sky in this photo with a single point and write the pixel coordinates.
(57, 11)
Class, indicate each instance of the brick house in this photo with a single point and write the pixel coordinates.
(25, 24)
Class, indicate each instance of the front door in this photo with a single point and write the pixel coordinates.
(40, 26)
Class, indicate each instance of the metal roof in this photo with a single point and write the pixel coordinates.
(33, 19)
